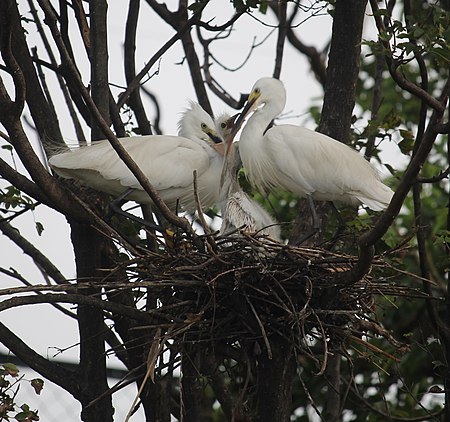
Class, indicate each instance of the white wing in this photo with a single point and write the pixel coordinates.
(312, 163)
(167, 161)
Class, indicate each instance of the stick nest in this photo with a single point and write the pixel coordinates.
(250, 289)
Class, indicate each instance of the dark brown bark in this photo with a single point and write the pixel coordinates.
(332, 408)
(135, 101)
(99, 64)
(337, 112)
(275, 375)
(343, 69)
(43, 116)
(194, 65)
(282, 30)
(88, 248)
(191, 389)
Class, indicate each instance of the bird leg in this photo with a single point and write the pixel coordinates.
(315, 222)
(115, 207)
(340, 221)
(312, 207)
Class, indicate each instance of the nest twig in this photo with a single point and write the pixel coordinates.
(251, 289)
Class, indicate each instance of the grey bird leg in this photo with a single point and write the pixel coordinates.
(115, 207)
(341, 223)
(315, 222)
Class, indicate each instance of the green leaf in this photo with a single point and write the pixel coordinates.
(381, 12)
(442, 53)
(11, 369)
(407, 144)
(442, 237)
(418, 32)
(263, 7)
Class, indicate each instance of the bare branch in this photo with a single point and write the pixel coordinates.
(135, 101)
(282, 31)
(38, 257)
(193, 62)
(134, 84)
(49, 370)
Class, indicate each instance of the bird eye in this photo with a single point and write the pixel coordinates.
(257, 90)
(223, 125)
(204, 126)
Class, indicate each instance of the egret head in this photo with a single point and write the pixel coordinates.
(224, 124)
(196, 123)
(266, 90)
(269, 92)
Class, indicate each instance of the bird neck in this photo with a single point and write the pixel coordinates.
(260, 120)
(253, 147)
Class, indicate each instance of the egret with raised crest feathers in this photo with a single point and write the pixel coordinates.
(167, 161)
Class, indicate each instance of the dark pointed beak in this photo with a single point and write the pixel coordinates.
(241, 118)
(216, 139)
(231, 120)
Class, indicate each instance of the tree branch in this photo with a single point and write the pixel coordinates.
(134, 84)
(282, 30)
(316, 59)
(193, 62)
(143, 180)
(401, 81)
(38, 257)
(135, 101)
(23, 183)
(52, 371)
(99, 65)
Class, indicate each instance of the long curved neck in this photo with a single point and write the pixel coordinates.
(257, 124)
(253, 148)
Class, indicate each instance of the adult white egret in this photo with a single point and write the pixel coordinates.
(300, 160)
(167, 161)
(239, 211)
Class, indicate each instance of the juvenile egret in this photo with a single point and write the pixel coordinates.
(239, 211)
(300, 160)
(167, 161)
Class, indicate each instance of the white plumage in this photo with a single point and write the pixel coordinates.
(167, 161)
(239, 211)
(300, 160)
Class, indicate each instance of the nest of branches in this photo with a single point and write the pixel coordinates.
(250, 289)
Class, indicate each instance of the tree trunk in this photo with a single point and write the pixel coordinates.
(343, 69)
(275, 376)
(88, 246)
(337, 112)
(191, 388)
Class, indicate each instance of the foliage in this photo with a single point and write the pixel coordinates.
(9, 388)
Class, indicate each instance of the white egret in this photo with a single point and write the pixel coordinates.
(300, 160)
(167, 161)
(239, 211)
